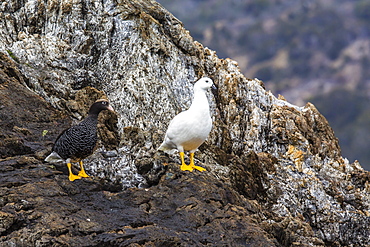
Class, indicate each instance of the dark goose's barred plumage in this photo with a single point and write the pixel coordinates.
(78, 142)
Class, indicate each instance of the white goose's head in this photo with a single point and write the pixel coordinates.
(204, 83)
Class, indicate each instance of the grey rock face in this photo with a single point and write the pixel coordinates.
(144, 61)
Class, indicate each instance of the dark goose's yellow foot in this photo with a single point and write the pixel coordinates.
(82, 172)
(71, 176)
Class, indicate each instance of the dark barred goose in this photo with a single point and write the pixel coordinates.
(78, 142)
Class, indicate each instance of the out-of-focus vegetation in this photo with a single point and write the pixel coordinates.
(306, 50)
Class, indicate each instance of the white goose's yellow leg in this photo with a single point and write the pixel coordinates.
(192, 165)
(82, 172)
(71, 176)
(184, 167)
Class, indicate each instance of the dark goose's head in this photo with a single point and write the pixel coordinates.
(100, 105)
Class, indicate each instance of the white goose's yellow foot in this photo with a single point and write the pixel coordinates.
(199, 168)
(184, 167)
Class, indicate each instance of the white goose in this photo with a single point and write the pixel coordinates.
(189, 129)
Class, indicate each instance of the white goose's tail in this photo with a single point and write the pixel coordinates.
(166, 148)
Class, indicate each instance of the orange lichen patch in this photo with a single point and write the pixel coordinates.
(297, 156)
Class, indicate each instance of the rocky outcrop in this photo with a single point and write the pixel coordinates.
(281, 43)
(275, 172)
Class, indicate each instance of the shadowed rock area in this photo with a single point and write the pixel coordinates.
(275, 175)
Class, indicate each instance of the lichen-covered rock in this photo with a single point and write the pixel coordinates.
(275, 175)
(24, 116)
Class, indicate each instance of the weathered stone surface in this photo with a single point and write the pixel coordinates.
(275, 175)
(184, 209)
(24, 115)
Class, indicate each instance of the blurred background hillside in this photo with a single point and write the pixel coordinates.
(307, 50)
